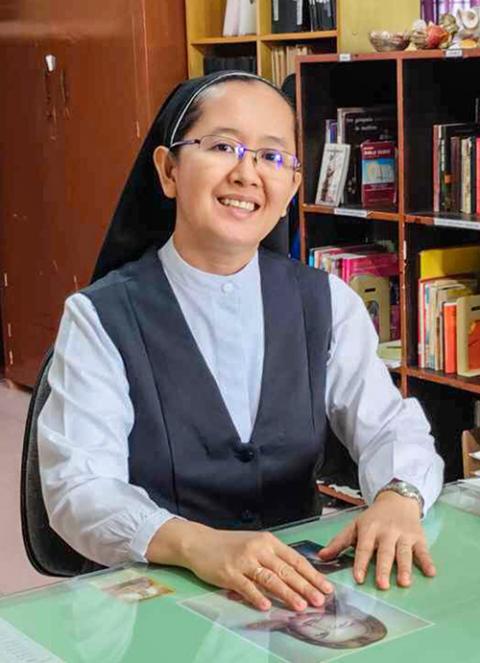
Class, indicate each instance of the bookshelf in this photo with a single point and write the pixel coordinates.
(426, 87)
(204, 20)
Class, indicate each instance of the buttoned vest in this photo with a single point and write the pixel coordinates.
(184, 449)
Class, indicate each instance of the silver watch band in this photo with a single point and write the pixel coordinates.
(406, 490)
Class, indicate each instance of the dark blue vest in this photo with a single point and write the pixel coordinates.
(184, 448)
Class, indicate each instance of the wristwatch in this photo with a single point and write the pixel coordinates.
(406, 490)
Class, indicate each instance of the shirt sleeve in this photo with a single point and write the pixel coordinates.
(83, 434)
(386, 435)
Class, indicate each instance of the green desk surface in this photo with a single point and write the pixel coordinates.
(435, 620)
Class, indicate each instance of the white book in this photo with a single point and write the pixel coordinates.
(231, 21)
(333, 173)
(247, 24)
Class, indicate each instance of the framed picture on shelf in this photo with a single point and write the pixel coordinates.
(333, 173)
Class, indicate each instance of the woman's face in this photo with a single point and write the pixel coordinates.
(330, 628)
(208, 190)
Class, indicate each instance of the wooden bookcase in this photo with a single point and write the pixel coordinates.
(427, 87)
(204, 36)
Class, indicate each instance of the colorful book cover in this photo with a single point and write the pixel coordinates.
(355, 126)
(333, 172)
(378, 173)
(435, 263)
(450, 336)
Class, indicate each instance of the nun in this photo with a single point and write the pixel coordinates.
(195, 380)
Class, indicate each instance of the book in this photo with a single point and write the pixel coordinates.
(445, 134)
(465, 171)
(231, 21)
(331, 131)
(375, 292)
(450, 336)
(468, 336)
(390, 352)
(477, 176)
(355, 125)
(378, 185)
(247, 22)
(333, 172)
(285, 15)
(434, 263)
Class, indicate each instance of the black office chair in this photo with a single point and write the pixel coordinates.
(47, 552)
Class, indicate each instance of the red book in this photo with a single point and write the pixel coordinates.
(450, 336)
(378, 173)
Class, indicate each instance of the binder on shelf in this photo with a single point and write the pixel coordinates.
(247, 22)
(231, 21)
(287, 15)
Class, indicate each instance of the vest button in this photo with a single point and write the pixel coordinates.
(247, 516)
(245, 453)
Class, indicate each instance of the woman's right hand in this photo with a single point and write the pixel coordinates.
(250, 563)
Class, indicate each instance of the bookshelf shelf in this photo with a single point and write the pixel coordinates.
(446, 220)
(219, 41)
(448, 379)
(299, 36)
(377, 215)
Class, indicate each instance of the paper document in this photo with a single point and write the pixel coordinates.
(16, 647)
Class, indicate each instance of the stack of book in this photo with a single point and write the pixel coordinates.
(303, 15)
(456, 168)
(372, 271)
(371, 134)
(213, 63)
(449, 310)
(283, 61)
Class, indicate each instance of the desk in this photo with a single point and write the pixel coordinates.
(433, 621)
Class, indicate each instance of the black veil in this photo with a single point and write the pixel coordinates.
(144, 215)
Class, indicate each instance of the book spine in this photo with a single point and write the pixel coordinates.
(450, 336)
(436, 164)
(465, 176)
(477, 176)
(445, 179)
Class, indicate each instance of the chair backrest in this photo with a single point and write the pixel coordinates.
(47, 552)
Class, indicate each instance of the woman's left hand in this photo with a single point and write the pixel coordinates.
(392, 528)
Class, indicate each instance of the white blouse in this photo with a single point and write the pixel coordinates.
(84, 426)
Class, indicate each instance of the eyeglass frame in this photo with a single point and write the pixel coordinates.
(240, 146)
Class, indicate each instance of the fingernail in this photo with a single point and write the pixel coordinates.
(265, 604)
(327, 588)
(360, 576)
(318, 599)
(300, 605)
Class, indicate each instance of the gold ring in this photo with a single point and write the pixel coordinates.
(256, 573)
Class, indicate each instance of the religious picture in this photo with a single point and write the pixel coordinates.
(310, 550)
(131, 586)
(348, 620)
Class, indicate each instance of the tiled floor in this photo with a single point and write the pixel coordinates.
(16, 573)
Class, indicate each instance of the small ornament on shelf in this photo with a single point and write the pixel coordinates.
(382, 40)
(468, 34)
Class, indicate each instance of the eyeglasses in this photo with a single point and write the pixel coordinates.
(228, 150)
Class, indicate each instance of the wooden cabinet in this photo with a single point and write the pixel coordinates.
(81, 81)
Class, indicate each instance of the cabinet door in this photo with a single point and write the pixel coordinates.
(30, 275)
(97, 78)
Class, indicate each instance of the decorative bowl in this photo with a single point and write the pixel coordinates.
(382, 40)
